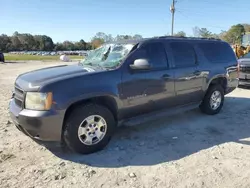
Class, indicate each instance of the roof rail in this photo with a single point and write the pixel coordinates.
(195, 38)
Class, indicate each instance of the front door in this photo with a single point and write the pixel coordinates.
(145, 91)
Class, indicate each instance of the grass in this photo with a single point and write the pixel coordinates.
(25, 57)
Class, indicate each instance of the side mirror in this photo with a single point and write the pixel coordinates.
(140, 64)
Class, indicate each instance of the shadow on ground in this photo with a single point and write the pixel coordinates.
(11, 62)
(171, 138)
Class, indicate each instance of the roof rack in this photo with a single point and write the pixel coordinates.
(195, 38)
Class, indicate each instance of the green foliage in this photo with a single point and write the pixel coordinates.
(180, 34)
(232, 36)
(22, 42)
(235, 33)
(246, 27)
(205, 33)
(25, 41)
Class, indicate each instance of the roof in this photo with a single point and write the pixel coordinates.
(135, 41)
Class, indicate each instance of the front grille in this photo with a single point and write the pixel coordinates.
(19, 97)
(245, 69)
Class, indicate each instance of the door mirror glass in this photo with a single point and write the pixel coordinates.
(140, 64)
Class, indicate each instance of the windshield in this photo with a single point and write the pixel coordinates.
(108, 56)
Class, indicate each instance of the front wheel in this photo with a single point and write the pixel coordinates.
(89, 128)
(213, 100)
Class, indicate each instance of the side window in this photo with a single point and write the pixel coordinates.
(156, 54)
(183, 53)
(153, 52)
(217, 52)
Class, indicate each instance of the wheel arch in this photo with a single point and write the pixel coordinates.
(221, 80)
(105, 100)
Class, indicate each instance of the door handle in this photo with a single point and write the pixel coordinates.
(166, 76)
(197, 72)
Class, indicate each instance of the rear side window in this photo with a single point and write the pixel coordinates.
(183, 53)
(217, 52)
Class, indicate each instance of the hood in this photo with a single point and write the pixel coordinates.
(31, 81)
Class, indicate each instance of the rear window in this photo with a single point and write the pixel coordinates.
(217, 52)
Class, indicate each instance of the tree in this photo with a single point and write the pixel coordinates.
(26, 41)
(246, 27)
(103, 37)
(203, 32)
(180, 34)
(58, 47)
(44, 43)
(80, 45)
(97, 43)
(234, 34)
(137, 37)
(4, 42)
(16, 44)
(125, 37)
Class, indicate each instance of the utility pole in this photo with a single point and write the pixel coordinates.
(172, 10)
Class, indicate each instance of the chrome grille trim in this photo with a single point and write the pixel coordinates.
(19, 96)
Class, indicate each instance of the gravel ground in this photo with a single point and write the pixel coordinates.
(186, 150)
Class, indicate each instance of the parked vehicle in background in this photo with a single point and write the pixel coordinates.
(123, 83)
(246, 39)
(244, 70)
(1, 57)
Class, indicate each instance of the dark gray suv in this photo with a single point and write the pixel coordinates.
(122, 83)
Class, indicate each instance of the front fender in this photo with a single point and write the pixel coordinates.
(90, 96)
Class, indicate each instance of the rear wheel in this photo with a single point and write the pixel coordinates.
(89, 128)
(213, 100)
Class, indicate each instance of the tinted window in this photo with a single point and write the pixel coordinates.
(154, 52)
(217, 52)
(183, 53)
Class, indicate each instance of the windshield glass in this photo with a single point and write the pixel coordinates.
(108, 56)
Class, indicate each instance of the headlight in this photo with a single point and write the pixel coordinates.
(38, 101)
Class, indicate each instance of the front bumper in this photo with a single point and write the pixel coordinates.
(41, 125)
(244, 82)
(244, 79)
(232, 84)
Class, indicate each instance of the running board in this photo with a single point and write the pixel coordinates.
(155, 115)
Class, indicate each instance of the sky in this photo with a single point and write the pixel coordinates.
(82, 19)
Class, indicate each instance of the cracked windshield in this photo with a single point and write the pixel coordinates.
(108, 56)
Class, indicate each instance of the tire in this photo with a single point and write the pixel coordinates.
(78, 118)
(206, 107)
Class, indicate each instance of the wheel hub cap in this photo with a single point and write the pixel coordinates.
(215, 100)
(92, 130)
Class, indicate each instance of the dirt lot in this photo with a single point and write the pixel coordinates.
(186, 150)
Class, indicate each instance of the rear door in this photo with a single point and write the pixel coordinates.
(188, 77)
